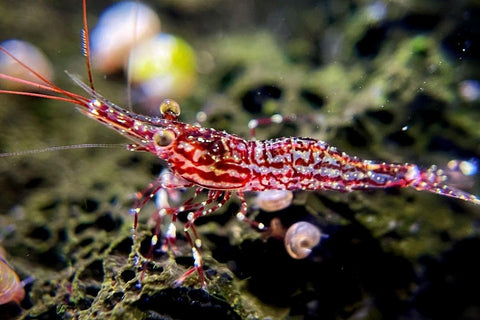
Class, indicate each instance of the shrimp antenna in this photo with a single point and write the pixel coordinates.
(86, 45)
(130, 58)
(58, 148)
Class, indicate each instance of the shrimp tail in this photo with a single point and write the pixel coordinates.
(434, 180)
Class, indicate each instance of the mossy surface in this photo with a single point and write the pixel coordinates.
(380, 80)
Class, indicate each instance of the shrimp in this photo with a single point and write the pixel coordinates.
(228, 165)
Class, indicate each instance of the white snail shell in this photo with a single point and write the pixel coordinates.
(274, 200)
(300, 238)
(33, 57)
(119, 28)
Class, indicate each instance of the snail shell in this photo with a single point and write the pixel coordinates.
(274, 200)
(11, 289)
(119, 28)
(163, 66)
(300, 238)
(24, 51)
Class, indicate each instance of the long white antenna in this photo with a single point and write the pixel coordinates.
(58, 148)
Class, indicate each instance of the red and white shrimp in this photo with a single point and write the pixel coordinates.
(226, 164)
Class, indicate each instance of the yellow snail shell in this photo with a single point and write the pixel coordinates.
(163, 66)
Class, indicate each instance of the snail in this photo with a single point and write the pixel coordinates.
(274, 200)
(300, 238)
(24, 51)
(119, 29)
(163, 66)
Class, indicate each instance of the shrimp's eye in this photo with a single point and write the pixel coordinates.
(170, 107)
(163, 138)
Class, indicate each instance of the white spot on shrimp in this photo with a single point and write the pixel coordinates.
(413, 173)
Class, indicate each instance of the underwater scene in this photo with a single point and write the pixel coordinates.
(235, 186)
